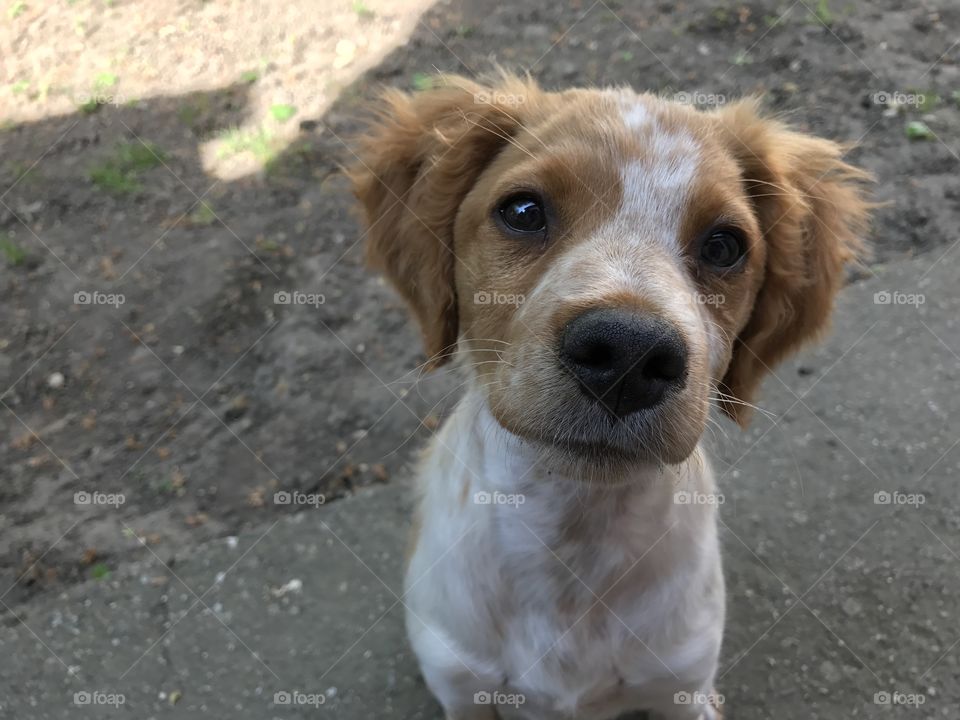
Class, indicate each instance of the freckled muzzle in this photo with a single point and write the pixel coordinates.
(625, 361)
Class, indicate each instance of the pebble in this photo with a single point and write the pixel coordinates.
(536, 32)
(852, 607)
(55, 381)
(345, 51)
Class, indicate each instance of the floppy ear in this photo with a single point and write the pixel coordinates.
(813, 216)
(414, 167)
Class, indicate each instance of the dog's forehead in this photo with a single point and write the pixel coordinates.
(659, 133)
(659, 168)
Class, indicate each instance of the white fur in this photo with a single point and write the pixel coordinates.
(484, 581)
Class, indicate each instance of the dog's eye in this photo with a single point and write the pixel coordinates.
(524, 214)
(722, 249)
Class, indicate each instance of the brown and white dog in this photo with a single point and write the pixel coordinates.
(604, 265)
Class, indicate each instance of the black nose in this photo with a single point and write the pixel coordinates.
(627, 361)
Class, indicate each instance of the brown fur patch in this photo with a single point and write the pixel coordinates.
(812, 214)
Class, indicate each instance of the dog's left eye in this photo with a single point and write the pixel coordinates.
(722, 249)
(524, 214)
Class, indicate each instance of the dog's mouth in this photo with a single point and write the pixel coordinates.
(589, 434)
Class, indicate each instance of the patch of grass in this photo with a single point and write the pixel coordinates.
(267, 245)
(98, 94)
(742, 58)
(930, 100)
(113, 180)
(282, 112)
(105, 81)
(249, 76)
(421, 81)
(203, 214)
(296, 158)
(823, 12)
(16, 9)
(13, 253)
(100, 572)
(955, 96)
(917, 130)
(120, 172)
(259, 142)
(465, 31)
(21, 86)
(363, 11)
(188, 114)
(194, 112)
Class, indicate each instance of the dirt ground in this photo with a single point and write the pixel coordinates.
(176, 163)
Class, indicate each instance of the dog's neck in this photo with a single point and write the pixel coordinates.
(532, 510)
(500, 461)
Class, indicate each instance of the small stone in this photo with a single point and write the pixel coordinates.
(345, 51)
(852, 607)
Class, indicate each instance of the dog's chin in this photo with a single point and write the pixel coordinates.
(594, 445)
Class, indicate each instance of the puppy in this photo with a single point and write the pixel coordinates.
(603, 265)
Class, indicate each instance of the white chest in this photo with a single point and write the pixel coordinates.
(582, 601)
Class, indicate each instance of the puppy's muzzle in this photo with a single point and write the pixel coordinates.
(625, 361)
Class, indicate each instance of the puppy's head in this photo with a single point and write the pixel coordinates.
(606, 263)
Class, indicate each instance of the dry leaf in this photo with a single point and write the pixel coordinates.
(196, 520)
(23, 442)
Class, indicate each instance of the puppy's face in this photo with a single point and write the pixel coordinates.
(606, 263)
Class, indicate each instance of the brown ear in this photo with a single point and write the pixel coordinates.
(414, 166)
(813, 216)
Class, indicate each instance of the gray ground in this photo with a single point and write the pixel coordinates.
(199, 397)
(834, 597)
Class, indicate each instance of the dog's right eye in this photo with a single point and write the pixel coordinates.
(524, 214)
